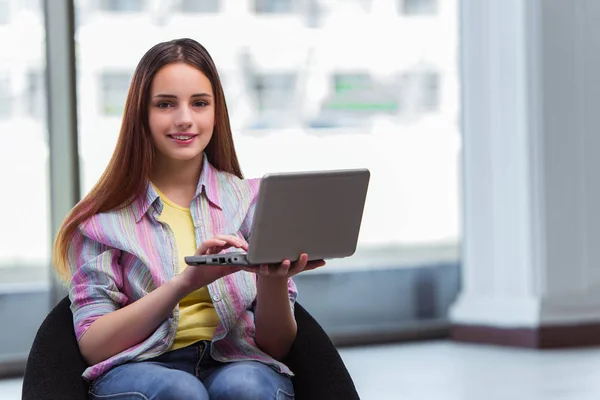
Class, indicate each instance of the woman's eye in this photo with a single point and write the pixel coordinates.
(163, 104)
(200, 104)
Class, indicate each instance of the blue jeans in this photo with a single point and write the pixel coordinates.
(191, 373)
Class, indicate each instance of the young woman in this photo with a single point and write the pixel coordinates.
(149, 326)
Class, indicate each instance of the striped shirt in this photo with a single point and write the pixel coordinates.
(119, 256)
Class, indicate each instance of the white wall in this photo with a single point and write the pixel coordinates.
(531, 112)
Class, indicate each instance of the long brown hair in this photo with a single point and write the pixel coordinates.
(125, 177)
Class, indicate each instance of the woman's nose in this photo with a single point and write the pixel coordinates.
(183, 118)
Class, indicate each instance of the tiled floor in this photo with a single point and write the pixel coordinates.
(443, 370)
(450, 371)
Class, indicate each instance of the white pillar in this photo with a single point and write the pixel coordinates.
(531, 126)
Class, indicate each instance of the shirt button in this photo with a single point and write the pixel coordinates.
(216, 297)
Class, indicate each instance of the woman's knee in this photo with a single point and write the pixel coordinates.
(148, 381)
(249, 381)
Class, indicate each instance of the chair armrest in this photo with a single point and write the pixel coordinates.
(319, 370)
(55, 365)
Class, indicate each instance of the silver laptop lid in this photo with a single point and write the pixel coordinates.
(318, 213)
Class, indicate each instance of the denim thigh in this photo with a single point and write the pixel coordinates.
(248, 380)
(191, 373)
(169, 376)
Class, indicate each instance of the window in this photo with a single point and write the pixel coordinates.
(4, 12)
(430, 86)
(420, 91)
(365, 5)
(359, 92)
(25, 237)
(274, 6)
(418, 7)
(114, 92)
(314, 14)
(325, 95)
(344, 83)
(32, 5)
(273, 91)
(123, 5)
(6, 97)
(274, 96)
(36, 104)
(197, 6)
(355, 98)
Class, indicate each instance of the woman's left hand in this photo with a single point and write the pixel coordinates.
(287, 268)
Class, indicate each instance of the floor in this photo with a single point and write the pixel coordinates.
(10, 389)
(443, 370)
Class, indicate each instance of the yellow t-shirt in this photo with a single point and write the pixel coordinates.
(197, 316)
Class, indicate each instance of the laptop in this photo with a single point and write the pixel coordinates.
(318, 213)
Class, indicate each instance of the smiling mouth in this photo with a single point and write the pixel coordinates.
(182, 137)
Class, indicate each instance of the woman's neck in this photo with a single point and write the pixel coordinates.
(177, 180)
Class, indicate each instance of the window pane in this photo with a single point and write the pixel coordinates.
(114, 92)
(123, 5)
(314, 96)
(420, 91)
(6, 95)
(4, 12)
(196, 6)
(274, 96)
(419, 7)
(353, 99)
(273, 6)
(35, 96)
(25, 236)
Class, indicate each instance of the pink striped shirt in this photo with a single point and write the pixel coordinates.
(119, 256)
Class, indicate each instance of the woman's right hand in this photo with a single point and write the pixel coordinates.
(194, 277)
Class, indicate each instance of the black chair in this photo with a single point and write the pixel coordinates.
(54, 366)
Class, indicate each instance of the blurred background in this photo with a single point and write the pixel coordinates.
(310, 85)
(304, 88)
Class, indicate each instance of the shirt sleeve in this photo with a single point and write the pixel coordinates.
(95, 287)
(292, 292)
(246, 227)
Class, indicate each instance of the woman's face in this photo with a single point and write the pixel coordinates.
(182, 113)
